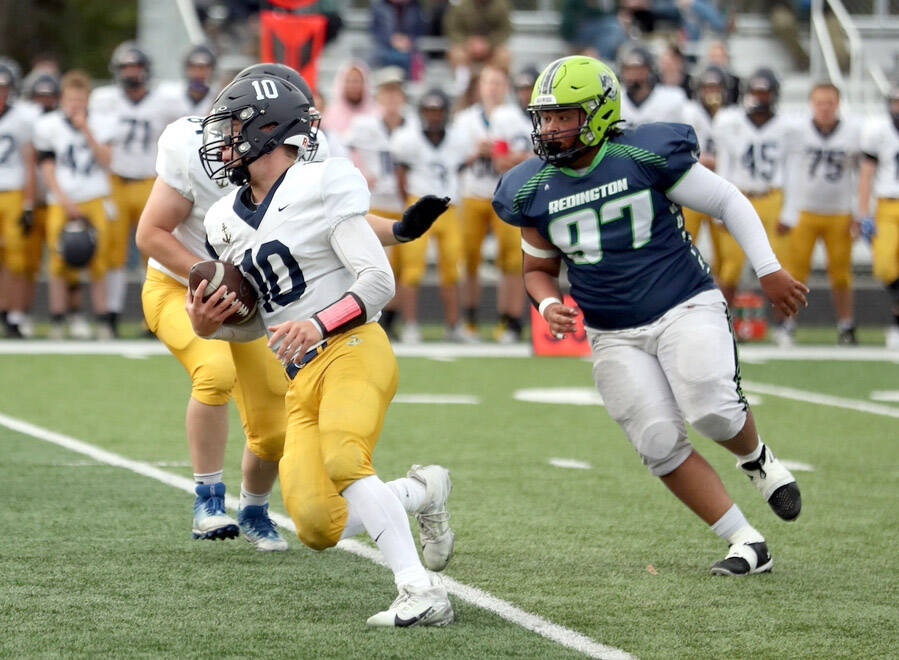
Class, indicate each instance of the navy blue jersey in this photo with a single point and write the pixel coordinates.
(629, 258)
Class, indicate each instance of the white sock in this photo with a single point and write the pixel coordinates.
(386, 523)
(252, 499)
(734, 528)
(116, 289)
(410, 492)
(753, 455)
(207, 479)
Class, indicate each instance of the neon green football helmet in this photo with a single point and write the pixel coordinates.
(578, 82)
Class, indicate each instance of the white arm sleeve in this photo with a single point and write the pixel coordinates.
(360, 252)
(249, 331)
(704, 191)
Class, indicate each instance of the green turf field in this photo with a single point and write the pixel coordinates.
(99, 561)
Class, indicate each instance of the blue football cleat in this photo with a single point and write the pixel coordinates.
(210, 521)
(259, 529)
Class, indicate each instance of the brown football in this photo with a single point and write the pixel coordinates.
(221, 273)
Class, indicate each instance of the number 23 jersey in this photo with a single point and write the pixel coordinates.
(283, 246)
(629, 259)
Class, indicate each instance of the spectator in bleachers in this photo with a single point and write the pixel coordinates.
(593, 27)
(719, 56)
(478, 31)
(350, 98)
(396, 25)
(697, 15)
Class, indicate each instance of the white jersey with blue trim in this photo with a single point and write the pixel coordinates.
(134, 128)
(880, 140)
(752, 157)
(283, 245)
(512, 125)
(178, 164)
(78, 173)
(478, 180)
(433, 169)
(16, 123)
(695, 115)
(369, 141)
(824, 168)
(664, 103)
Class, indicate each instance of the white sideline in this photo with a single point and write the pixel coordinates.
(446, 351)
(821, 399)
(554, 632)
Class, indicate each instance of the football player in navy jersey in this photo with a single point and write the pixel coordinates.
(607, 202)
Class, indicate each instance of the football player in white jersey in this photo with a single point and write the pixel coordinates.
(818, 198)
(511, 127)
(711, 95)
(17, 189)
(474, 127)
(297, 231)
(879, 178)
(750, 147)
(368, 142)
(644, 100)
(171, 235)
(138, 114)
(427, 155)
(74, 159)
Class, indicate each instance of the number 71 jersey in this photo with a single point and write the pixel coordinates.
(629, 259)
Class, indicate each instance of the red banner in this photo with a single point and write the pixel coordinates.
(574, 344)
(296, 41)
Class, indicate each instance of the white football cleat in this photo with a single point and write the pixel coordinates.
(410, 334)
(460, 334)
(416, 607)
(259, 529)
(783, 338)
(775, 482)
(437, 539)
(745, 559)
(892, 339)
(79, 328)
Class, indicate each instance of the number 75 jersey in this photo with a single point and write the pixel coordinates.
(629, 259)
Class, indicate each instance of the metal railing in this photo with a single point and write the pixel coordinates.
(188, 13)
(824, 58)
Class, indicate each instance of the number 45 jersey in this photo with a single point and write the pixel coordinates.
(629, 259)
(283, 245)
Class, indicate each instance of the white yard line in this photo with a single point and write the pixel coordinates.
(821, 399)
(554, 632)
(138, 349)
(569, 463)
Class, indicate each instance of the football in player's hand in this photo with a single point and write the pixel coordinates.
(220, 273)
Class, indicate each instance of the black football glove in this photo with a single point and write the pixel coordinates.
(418, 218)
(26, 221)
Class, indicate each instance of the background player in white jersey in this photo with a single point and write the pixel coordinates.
(427, 156)
(137, 114)
(751, 151)
(818, 198)
(368, 142)
(711, 96)
(17, 189)
(171, 234)
(644, 100)
(473, 127)
(510, 128)
(319, 299)
(73, 157)
(879, 178)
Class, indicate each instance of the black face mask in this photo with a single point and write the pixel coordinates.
(198, 87)
(895, 117)
(636, 88)
(132, 83)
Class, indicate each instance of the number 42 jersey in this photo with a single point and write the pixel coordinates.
(629, 259)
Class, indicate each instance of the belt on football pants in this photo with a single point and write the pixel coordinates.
(294, 367)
